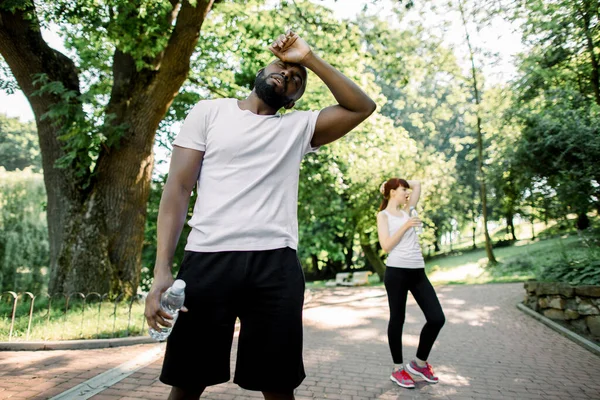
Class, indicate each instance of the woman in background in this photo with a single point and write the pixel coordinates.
(405, 271)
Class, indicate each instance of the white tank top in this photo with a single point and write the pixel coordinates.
(407, 253)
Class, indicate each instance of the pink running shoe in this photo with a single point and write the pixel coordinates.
(425, 372)
(402, 378)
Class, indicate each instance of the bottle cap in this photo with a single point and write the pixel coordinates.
(178, 286)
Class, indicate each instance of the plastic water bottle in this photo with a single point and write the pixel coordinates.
(413, 213)
(170, 302)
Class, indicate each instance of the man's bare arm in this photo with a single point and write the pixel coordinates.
(354, 105)
(183, 175)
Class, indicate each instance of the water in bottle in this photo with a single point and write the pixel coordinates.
(413, 213)
(171, 301)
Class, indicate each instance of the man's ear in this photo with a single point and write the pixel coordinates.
(289, 105)
(259, 71)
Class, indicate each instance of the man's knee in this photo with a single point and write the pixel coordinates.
(183, 394)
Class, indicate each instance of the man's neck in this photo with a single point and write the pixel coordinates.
(254, 104)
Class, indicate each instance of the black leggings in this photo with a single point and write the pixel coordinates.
(398, 281)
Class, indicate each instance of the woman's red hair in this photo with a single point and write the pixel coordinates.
(390, 184)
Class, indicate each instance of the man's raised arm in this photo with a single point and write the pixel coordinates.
(354, 105)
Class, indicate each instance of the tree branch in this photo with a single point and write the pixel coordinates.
(176, 60)
(27, 54)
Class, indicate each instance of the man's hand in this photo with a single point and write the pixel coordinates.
(290, 48)
(153, 312)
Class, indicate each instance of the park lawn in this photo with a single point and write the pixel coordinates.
(470, 266)
(95, 321)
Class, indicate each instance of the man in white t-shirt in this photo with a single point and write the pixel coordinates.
(240, 259)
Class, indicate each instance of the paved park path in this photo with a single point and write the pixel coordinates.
(488, 349)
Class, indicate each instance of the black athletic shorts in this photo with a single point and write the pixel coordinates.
(265, 289)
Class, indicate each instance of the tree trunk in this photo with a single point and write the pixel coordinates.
(436, 239)
(591, 48)
(488, 241)
(510, 225)
(583, 222)
(374, 259)
(96, 218)
(315, 263)
(480, 171)
(348, 251)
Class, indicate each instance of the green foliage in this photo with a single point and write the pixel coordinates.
(577, 266)
(561, 144)
(18, 145)
(83, 135)
(7, 82)
(94, 29)
(563, 36)
(556, 101)
(24, 249)
(576, 271)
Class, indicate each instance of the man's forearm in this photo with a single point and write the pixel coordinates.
(346, 92)
(171, 217)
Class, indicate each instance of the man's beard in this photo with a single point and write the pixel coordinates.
(267, 92)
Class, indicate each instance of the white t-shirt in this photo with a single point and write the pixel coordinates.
(407, 253)
(248, 185)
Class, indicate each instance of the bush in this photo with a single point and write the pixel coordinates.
(575, 272)
(24, 248)
(504, 243)
(578, 264)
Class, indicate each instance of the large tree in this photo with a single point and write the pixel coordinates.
(97, 112)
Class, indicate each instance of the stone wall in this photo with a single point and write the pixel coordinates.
(578, 306)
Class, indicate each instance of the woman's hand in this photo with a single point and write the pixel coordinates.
(413, 222)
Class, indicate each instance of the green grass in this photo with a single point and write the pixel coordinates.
(522, 231)
(95, 321)
(523, 260)
(517, 263)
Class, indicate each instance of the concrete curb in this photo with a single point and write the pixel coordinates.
(75, 344)
(580, 340)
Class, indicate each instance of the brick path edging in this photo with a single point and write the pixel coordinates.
(75, 344)
(580, 340)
